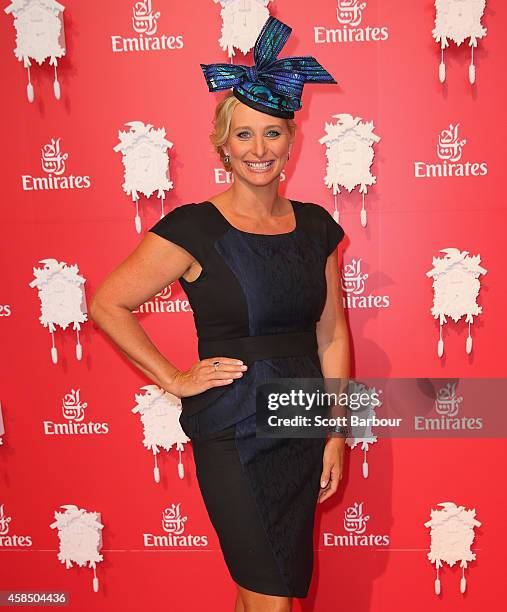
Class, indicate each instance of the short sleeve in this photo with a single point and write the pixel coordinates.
(179, 227)
(334, 231)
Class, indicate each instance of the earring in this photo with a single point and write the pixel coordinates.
(288, 156)
(227, 159)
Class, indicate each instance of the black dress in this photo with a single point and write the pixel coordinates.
(258, 298)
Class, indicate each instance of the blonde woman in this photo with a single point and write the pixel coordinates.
(261, 275)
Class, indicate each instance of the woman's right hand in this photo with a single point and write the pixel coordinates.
(203, 375)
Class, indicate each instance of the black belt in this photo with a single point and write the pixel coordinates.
(248, 349)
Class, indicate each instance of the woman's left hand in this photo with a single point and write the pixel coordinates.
(332, 468)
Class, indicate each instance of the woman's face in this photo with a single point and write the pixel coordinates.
(257, 137)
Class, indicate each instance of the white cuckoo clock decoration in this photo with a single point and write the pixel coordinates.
(349, 152)
(242, 20)
(456, 20)
(39, 35)
(160, 412)
(80, 535)
(456, 287)
(367, 437)
(146, 163)
(62, 299)
(452, 534)
(2, 428)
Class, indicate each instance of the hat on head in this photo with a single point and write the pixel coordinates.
(272, 86)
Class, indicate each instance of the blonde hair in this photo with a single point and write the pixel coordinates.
(222, 125)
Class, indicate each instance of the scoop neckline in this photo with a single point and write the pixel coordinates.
(255, 233)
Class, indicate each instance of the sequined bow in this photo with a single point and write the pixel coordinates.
(285, 76)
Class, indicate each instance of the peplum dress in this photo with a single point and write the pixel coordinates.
(258, 298)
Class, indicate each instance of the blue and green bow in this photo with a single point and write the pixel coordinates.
(273, 86)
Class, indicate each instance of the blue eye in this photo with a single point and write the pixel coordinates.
(276, 132)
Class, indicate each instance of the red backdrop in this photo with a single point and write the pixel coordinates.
(392, 82)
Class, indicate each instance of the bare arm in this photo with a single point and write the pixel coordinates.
(154, 264)
(333, 343)
(332, 332)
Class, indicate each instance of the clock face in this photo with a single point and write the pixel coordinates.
(146, 166)
(61, 301)
(38, 32)
(37, 25)
(242, 22)
(456, 291)
(56, 300)
(456, 286)
(460, 11)
(80, 539)
(143, 158)
(350, 159)
(243, 14)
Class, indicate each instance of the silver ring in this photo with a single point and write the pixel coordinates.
(216, 364)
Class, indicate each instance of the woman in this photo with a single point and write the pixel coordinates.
(261, 275)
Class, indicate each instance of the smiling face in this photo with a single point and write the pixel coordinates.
(258, 145)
